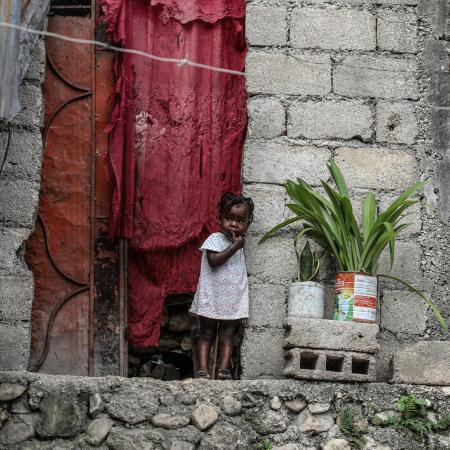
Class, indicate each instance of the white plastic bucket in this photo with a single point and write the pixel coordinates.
(306, 299)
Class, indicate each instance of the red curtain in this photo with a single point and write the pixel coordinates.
(176, 141)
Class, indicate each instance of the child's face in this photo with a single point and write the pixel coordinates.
(236, 220)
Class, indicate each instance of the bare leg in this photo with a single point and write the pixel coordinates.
(227, 330)
(208, 331)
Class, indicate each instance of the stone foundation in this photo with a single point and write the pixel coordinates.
(67, 413)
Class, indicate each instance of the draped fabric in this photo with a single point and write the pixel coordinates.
(176, 141)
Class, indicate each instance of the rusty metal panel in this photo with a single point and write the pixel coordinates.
(79, 309)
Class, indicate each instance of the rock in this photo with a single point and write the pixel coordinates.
(169, 422)
(275, 403)
(10, 391)
(337, 444)
(62, 416)
(318, 408)
(120, 439)
(180, 322)
(166, 400)
(230, 406)
(204, 417)
(3, 416)
(186, 399)
(381, 417)
(98, 430)
(20, 405)
(181, 445)
(133, 407)
(270, 421)
(96, 405)
(17, 429)
(226, 436)
(296, 405)
(186, 343)
(317, 423)
(373, 445)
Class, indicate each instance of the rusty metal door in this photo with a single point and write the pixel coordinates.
(79, 309)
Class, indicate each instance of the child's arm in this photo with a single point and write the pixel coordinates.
(216, 259)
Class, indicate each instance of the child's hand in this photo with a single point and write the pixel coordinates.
(238, 241)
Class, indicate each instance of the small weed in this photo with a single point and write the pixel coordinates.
(264, 445)
(413, 418)
(349, 429)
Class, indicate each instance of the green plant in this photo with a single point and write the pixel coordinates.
(308, 262)
(331, 224)
(413, 418)
(348, 427)
(264, 445)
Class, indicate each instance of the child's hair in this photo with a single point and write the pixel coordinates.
(229, 200)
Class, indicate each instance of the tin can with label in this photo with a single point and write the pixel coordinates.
(355, 297)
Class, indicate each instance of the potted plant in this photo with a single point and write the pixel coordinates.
(330, 222)
(306, 297)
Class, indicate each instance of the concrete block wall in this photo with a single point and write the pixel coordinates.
(20, 158)
(355, 81)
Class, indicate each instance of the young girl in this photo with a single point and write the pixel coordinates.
(221, 299)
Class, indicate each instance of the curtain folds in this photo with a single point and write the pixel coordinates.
(176, 141)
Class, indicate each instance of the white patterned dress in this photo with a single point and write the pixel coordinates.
(222, 292)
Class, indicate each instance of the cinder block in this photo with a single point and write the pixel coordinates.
(277, 73)
(267, 118)
(11, 239)
(272, 261)
(270, 207)
(16, 295)
(344, 29)
(32, 103)
(379, 2)
(276, 162)
(336, 335)
(23, 154)
(266, 25)
(15, 339)
(262, 355)
(267, 303)
(403, 312)
(408, 256)
(19, 201)
(329, 365)
(425, 362)
(397, 31)
(396, 122)
(376, 168)
(329, 119)
(376, 76)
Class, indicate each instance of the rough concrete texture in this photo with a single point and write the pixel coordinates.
(296, 74)
(397, 31)
(343, 29)
(396, 122)
(380, 77)
(21, 155)
(423, 363)
(403, 313)
(329, 365)
(328, 120)
(331, 335)
(306, 415)
(377, 102)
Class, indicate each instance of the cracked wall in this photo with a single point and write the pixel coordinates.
(367, 84)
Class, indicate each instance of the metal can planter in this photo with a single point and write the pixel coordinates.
(306, 299)
(355, 297)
